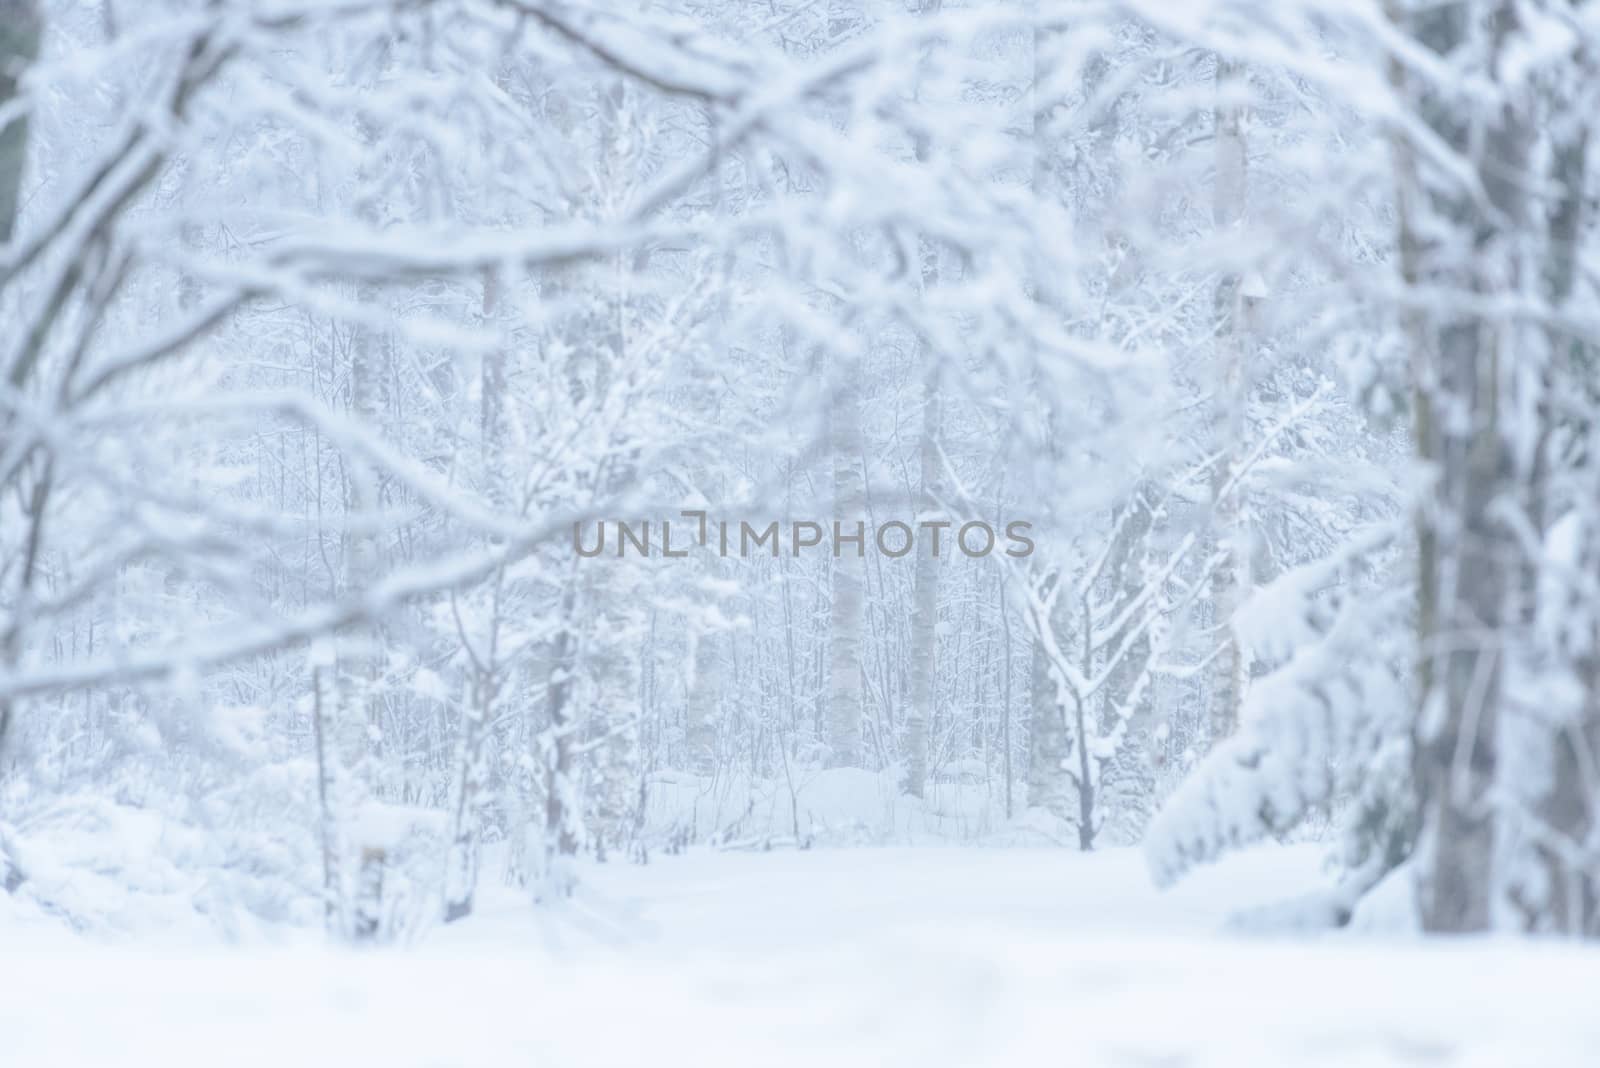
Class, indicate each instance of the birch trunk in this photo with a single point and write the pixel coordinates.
(327, 791)
(925, 612)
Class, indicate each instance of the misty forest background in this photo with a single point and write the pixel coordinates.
(324, 322)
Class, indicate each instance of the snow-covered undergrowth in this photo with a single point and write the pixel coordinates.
(110, 869)
(924, 957)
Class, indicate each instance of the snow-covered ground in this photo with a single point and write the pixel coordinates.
(878, 957)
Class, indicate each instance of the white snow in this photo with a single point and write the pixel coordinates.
(881, 957)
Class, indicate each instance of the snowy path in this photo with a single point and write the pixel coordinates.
(758, 903)
(865, 957)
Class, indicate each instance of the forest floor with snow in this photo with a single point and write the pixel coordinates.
(894, 956)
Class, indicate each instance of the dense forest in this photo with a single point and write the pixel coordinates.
(453, 449)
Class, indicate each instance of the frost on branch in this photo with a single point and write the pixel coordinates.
(1326, 722)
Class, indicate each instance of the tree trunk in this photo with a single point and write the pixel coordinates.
(1228, 581)
(849, 568)
(561, 793)
(1049, 783)
(20, 29)
(925, 613)
(704, 699)
(1127, 692)
(461, 863)
(1465, 557)
(1569, 804)
(368, 925)
(1005, 698)
(327, 792)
